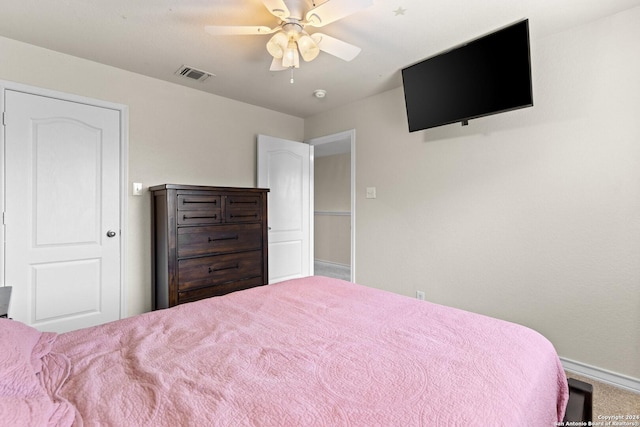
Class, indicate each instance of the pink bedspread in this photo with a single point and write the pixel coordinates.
(311, 352)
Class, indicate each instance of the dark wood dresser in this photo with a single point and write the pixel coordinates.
(207, 241)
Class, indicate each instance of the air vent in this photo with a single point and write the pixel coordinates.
(193, 73)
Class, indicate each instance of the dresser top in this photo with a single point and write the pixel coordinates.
(203, 187)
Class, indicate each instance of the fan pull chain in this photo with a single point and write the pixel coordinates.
(291, 81)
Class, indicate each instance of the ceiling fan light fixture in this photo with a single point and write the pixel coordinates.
(291, 59)
(308, 48)
(277, 44)
(289, 41)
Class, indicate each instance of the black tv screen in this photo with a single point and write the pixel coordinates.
(489, 75)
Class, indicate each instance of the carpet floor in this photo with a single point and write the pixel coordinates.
(332, 270)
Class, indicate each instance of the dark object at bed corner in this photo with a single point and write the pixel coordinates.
(5, 297)
(580, 406)
(207, 241)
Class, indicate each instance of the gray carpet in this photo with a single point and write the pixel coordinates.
(332, 270)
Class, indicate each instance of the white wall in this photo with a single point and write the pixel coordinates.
(531, 216)
(176, 135)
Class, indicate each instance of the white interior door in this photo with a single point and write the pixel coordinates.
(62, 211)
(286, 168)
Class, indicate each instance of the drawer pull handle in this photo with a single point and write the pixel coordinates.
(231, 202)
(223, 238)
(243, 216)
(213, 270)
(199, 216)
(186, 201)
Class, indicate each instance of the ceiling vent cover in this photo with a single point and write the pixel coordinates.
(193, 73)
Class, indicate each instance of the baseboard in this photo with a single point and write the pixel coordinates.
(599, 374)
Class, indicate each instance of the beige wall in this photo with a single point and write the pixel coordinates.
(332, 200)
(531, 216)
(176, 135)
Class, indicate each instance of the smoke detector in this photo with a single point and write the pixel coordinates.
(319, 93)
(193, 73)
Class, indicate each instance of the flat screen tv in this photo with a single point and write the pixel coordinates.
(488, 75)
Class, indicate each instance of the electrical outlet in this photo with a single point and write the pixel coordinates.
(420, 295)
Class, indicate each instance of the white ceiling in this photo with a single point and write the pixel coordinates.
(156, 37)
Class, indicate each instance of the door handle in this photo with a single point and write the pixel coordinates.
(111, 233)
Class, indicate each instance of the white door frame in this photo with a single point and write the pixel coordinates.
(341, 136)
(124, 150)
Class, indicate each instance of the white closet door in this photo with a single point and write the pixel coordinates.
(62, 211)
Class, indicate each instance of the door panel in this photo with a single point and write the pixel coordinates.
(285, 168)
(62, 175)
(287, 260)
(67, 156)
(52, 288)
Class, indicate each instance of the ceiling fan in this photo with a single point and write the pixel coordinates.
(290, 40)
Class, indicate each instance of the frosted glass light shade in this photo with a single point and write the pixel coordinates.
(308, 48)
(277, 44)
(291, 57)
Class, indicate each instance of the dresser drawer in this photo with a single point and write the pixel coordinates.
(195, 202)
(201, 217)
(196, 209)
(214, 291)
(243, 209)
(217, 270)
(195, 241)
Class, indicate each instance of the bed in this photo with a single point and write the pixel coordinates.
(306, 352)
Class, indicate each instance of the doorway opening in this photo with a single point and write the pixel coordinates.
(334, 205)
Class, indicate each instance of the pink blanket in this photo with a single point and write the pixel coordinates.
(311, 352)
(28, 390)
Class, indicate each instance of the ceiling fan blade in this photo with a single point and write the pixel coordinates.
(331, 11)
(222, 30)
(335, 47)
(276, 65)
(277, 8)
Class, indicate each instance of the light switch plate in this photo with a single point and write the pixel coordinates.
(137, 189)
(371, 192)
